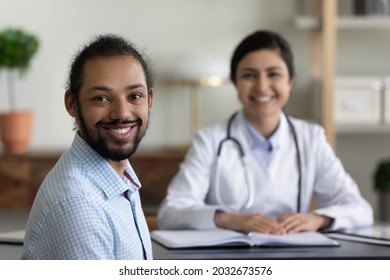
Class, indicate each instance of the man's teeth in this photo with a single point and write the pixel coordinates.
(120, 130)
(263, 98)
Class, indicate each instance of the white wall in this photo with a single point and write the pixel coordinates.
(165, 29)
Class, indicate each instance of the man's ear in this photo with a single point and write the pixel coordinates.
(70, 104)
(150, 97)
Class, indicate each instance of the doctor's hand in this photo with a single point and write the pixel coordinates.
(248, 223)
(294, 222)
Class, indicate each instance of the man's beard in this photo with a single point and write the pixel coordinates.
(100, 144)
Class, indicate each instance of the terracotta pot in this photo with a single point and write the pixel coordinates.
(16, 131)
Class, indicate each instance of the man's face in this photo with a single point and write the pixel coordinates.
(113, 107)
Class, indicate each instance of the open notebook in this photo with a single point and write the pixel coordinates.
(377, 234)
(201, 238)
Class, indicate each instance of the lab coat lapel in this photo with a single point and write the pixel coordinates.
(243, 136)
(283, 169)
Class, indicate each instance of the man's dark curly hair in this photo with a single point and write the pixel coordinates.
(105, 46)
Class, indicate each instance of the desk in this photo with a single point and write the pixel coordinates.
(10, 252)
(348, 250)
(11, 220)
(16, 220)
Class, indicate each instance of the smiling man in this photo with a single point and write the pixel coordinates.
(88, 207)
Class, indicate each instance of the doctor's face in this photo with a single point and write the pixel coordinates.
(112, 112)
(263, 84)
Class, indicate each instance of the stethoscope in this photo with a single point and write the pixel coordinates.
(251, 196)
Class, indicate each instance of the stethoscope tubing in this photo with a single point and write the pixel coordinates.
(250, 199)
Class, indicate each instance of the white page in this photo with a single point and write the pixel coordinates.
(299, 239)
(196, 238)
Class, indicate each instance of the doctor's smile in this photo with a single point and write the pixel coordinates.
(263, 98)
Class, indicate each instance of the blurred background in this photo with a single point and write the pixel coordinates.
(171, 29)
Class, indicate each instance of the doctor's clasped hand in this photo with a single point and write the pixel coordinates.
(260, 169)
(288, 223)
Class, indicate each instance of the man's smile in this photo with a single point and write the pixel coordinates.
(121, 132)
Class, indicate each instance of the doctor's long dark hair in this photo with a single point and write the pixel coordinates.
(260, 40)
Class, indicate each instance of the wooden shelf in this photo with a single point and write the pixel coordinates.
(347, 129)
(21, 175)
(344, 22)
(323, 22)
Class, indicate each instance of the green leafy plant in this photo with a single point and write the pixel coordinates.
(382, 176)
(17, 48)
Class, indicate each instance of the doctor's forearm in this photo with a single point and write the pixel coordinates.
(231, 221)
(221, 219)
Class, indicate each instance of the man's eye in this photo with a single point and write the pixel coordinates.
(135, 96)
(100, 98)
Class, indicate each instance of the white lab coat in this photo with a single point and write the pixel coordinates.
(191, 199)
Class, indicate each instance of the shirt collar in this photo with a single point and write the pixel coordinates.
(259, 141)
(101, 171)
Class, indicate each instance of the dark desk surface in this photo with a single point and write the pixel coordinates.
(347, 250)
(11, 220)
(10, 252)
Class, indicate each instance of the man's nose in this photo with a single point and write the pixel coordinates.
(120, 109)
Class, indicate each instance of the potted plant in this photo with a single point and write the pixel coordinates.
(17, 48)
(382, 185)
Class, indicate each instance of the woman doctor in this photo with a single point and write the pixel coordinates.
(260, 170)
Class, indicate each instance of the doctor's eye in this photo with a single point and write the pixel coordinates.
(248, 75)
(274, 74)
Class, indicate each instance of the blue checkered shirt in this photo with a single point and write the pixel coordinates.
(80, 211)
